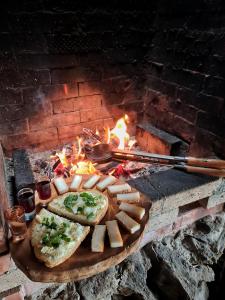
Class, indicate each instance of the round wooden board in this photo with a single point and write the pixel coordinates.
(83, 263)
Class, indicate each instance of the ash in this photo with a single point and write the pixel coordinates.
(146, 169)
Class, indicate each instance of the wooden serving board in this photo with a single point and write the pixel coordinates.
(83, 263)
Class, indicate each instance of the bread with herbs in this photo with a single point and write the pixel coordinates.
(87, 207)
(54, 238)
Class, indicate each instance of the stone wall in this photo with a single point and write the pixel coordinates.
(65, 65)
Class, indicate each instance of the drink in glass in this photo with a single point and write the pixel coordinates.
(44, 191)
(26, 199)
(15, 217)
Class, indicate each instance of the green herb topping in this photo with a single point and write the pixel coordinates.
(49, 223)
(54, 239)
(80, 210)
(69, 202)
(90, 216)
(88, 199)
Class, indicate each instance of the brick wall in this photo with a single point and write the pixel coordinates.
(65, 65)
(185, 73)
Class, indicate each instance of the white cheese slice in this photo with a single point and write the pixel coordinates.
(135, 197)
(98, 236)
(130, 224)
(91, 182)
(61, 185)
(75, 184)
(102, 185)
(115, 237)
(119, 188)
(133, 210)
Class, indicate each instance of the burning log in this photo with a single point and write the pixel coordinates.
(91, 134)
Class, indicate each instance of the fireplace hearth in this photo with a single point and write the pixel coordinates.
(135, 75)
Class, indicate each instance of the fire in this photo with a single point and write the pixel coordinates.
(120, 132)
(72, 160)
(97, 131)
(72, 157)
(107, 135)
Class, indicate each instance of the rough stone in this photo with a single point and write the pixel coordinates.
(185, 261)
(126, 279)
(63, 291)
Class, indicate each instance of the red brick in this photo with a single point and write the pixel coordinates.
(15, 296)
(93, 125)
(54, 121)
(198, 213)
(181, 222)
(31, 139)
(88, 102)
(4, 263)
(69, 131)
(17, 126)
(53, 92)
(63, 106)
(89, 88)
(94, 114)
(110, 122)
(10, 96)
(77, 74)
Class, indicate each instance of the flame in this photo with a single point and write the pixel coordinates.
(75, 163)
(79, 154)
(131, 143)
(108, 133)
(97, 131)
(120, 131)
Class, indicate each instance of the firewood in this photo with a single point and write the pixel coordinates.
(22, 169)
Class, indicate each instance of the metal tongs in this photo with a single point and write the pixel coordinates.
(102, 153)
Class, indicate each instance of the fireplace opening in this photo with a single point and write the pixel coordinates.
(143, 86)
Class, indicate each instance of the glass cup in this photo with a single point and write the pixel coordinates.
(44, 191)
(26, 199)
(15, 217)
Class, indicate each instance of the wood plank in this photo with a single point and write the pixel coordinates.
(83, 263)
(22, 169)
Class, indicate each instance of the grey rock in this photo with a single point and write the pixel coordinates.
(99, 287)
(126, 279)
(133, 276)
(186, 274)
(63, 291)
(184, 260)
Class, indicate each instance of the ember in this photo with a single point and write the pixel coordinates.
(71, 160)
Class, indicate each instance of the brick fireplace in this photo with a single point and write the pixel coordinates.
(65, 66)
(68, 65)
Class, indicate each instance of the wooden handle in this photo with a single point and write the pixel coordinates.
(204, 162)
(206, 171)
